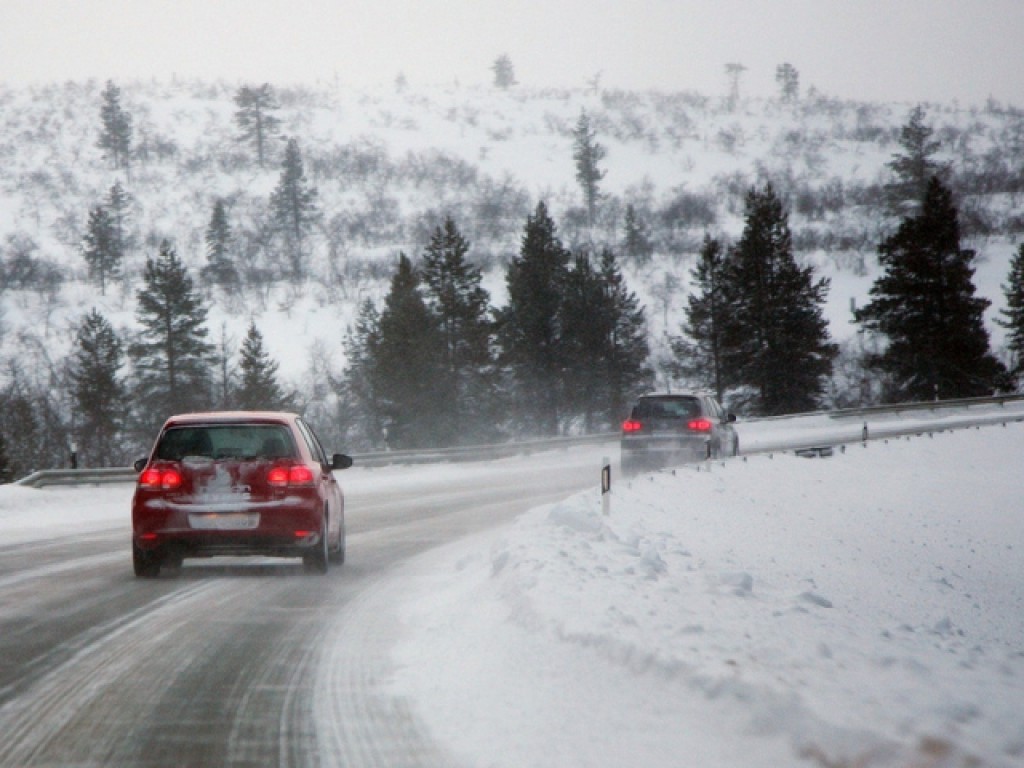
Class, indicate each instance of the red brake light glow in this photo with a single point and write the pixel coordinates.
(300, 475)
(294, 475)
(700, 425)
(632, 425)
(278, 476)
(167, 479)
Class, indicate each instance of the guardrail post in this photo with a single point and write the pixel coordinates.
(606, 486)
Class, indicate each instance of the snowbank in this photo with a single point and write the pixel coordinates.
(865, 609)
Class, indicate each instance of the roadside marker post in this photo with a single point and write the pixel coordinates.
(606, 486)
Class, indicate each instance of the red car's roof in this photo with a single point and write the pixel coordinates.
(222, 417)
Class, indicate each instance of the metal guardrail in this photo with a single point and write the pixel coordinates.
(57, 477)
(69, 477)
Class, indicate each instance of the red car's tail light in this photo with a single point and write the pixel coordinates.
(300, 475)
(632, 425)
(281, 477)
(167, 479)
(700, 425)
(278, 476)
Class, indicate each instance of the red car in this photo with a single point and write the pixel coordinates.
(237, 483)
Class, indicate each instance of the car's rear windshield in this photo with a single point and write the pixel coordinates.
(226, 441)
(668, 408)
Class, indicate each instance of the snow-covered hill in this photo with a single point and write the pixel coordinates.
(389, 165)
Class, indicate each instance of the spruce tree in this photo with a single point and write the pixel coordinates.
(28, 442)
(604, 342)
(788, 79)
(924, 304)
(529, 330)
(914, 167)
(6, 472)
(588, 154)
(775, 343)
(408, 369)
(461, 306)
(119, 207)
(700, 352)
(98, 390)
(636, 242)
(116, 131)
(1012, 317)
(294, 209)
(504, 72)
(219, 269)
(256, 119)
(627, 350)
(172, 356)
(259, 389)
(585, 329)
(359, 384)
(100, 248)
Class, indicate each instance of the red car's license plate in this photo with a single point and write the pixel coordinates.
(225, 521)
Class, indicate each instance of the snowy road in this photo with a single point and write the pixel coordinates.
(244, 662)
(874, 618)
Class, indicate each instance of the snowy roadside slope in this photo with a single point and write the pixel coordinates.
(866, 609)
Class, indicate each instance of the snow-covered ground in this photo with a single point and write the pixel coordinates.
(860, 610)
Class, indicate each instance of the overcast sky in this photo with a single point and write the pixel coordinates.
(903, 50)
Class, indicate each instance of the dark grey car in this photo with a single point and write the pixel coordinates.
(676, 428)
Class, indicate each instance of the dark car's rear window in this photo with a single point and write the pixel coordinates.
(668, 408)
(223, 441)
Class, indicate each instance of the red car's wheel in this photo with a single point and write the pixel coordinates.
(146, 564)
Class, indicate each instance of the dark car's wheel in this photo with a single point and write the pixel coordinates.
(317, 560)
(146, 564)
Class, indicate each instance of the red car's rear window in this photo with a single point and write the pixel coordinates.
(226, 441)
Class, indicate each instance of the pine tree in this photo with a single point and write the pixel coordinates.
(27, 439)
(585, 328)
(924, 304)
(294, 210)
(603, 340)
(529, 325)
(255, 117)
(6, 472)
(914, 168)
(259, 390)
(98, 390)
(504, 72)
(116, 132)
(636, 243)
(172, 356)
(776, 340)
(461, 306)
(789, 82)
(358, 386)
(627, 350)
(219, 269)
(408, 372)
(100, 248)
(1013, 316)
(700, 352)
(733, 71)
(587, 154)
(118, 205)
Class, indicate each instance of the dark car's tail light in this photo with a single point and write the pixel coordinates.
(632, 425)
(167, 479)
(699, 425)
(298, 474)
